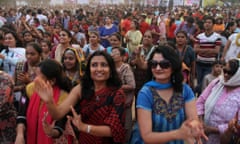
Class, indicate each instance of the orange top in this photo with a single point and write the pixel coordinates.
(218, 27)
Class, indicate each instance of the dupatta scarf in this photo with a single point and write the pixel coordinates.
(35, 114)
(217, 91)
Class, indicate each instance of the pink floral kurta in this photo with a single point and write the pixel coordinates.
(225, 109)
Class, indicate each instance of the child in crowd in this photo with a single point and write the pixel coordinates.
(46, 48)
(216, 71)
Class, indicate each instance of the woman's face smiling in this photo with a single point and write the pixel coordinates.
(161, 75)
(64, 38)
(9, 40)
(69, 61)
(99, 69)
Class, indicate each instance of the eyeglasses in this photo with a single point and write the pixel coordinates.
(163, 64)
(229, 72)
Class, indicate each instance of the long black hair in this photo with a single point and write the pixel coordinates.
(87, 82)
(176, 65)
(53, 70)
(18, 41)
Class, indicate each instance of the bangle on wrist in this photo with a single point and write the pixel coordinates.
(88, 129)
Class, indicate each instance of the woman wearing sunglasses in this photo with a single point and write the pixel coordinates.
(166, 108)
(220, 101)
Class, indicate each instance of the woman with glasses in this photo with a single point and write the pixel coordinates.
(220, 101)
(166, 108)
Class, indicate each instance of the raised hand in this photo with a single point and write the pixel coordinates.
(138, 50)
(44, 89)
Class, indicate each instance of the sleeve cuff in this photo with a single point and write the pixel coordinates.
(21, 119)
(200, 112)
(142, 107)
(222, 128)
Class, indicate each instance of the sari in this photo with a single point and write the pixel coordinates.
(35, 113)
(105, 107)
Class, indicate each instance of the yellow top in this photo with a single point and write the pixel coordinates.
(30, 91)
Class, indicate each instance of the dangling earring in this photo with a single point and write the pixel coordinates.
(173, 79)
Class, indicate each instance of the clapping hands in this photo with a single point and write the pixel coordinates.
(192, 131)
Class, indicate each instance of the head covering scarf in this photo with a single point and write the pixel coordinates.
(217, 90)
(78, 53)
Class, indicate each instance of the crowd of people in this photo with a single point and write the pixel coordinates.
(111, 75)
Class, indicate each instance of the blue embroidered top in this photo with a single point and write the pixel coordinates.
(165, 117)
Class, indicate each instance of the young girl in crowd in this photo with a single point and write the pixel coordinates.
(73, 64)
(46, 49)
(25, 72)
(216, 71)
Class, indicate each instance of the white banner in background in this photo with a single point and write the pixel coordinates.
(83, 1)
(152, 2)
(178, 2)
(191, 2)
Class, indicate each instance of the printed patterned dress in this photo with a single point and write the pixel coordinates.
(7, 110)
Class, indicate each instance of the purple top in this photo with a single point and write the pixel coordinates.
(107, 32)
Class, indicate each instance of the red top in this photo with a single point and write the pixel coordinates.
(125, 26)
(143, 26)
(106, 107)
(171, 30)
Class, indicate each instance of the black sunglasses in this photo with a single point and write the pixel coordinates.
(163, 64)
(229, 72)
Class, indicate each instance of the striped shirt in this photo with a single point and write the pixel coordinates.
(209, 42)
